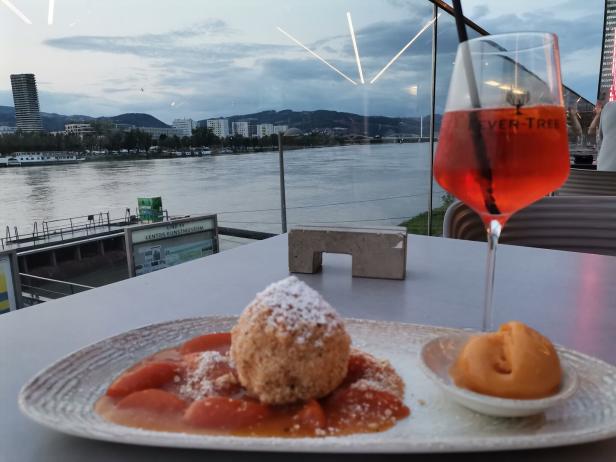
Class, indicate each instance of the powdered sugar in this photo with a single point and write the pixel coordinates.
(377, 375)
(296, 308)
(200, 381)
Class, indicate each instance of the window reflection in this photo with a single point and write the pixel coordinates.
(186, 104)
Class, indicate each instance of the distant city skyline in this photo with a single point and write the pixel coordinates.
(107, 58)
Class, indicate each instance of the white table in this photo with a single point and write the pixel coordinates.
(570, 297)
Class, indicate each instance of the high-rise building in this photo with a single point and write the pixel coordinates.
(220, 127)
(25, 98)
(244, 128)
(265, 130)
(280, 128)
(607, 49)
(184, 127)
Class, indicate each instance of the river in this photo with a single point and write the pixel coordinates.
(358, 185)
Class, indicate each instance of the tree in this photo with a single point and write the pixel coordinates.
(203, 136)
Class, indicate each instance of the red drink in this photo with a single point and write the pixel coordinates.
(527, 151)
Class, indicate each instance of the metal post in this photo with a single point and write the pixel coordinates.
(283, 201)
(432, 113)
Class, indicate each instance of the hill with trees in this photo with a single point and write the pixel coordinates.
(353, 123)
(55, 122)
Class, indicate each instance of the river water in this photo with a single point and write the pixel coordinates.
(351, 185)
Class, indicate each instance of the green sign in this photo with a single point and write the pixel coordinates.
(150, 209)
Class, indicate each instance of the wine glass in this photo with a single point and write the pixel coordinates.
(503, 139)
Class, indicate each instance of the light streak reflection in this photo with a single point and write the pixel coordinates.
(335, 69)
(352, 32)
(404, 48)
(16, 11)
(52, 4)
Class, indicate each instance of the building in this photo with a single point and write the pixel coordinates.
(280, 128)
(265, 130)
(220, 127)
(244, 128)
(184, 127)
(607, 50)
(4, 130)
(25, 98)
(78, 129)
(156, 132)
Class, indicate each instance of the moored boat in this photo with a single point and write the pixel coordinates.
(25, 159)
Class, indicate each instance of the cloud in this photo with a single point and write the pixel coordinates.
(579, 52)
(206, 70)
(390, 37)
(296, 70)
(229, 77)
(479, 12)
(137, 44)
(200, 42)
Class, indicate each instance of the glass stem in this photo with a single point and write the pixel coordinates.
(494, 230)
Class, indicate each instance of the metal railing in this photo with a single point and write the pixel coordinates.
(48, 289)
(65, 228)
(39, 289)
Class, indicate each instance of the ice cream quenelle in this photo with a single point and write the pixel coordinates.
(516, 362)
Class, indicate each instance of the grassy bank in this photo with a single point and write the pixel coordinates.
(419, 223)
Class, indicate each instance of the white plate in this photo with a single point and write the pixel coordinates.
(62, 397)
(438, 355)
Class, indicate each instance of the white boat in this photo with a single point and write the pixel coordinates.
(9, 162)
(25, 159)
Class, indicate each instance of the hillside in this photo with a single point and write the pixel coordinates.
(7, 116)
(354, 123)
(304, 120)
(137, 119)
(55, 122)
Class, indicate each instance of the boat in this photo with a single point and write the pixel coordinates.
(9, 162)
(25, 159)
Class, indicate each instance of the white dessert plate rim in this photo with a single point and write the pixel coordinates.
(65, 404)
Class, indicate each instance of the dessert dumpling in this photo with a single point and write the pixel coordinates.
(290, 344)
(516, 362)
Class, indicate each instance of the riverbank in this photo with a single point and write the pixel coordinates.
(228, 151)
(419, 223)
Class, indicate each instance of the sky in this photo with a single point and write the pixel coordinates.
(204, 58)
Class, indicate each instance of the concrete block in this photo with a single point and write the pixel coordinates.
(376, 252)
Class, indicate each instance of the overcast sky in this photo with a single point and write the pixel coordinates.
(202, 58)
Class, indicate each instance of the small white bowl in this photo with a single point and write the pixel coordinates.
(437, 356)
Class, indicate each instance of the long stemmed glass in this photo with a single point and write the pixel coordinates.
(503, 140)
